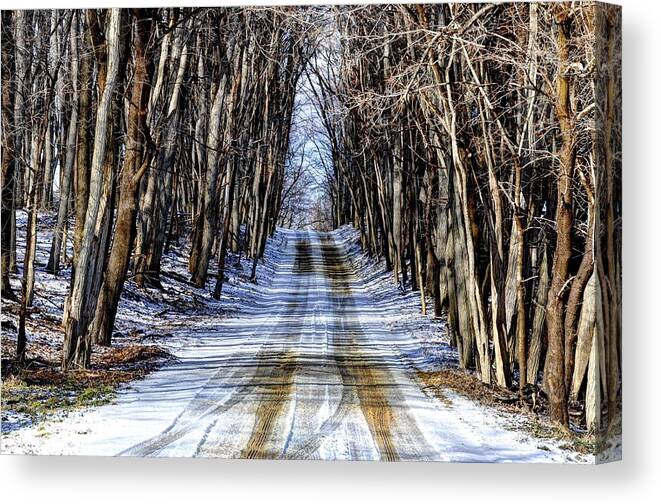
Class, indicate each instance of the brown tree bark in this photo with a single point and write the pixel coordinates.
(564, 222)
(135, 163)
(77, 341)
(8, 155)
(53, 265)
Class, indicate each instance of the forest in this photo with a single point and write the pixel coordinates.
(476, 148)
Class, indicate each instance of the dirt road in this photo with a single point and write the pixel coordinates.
(308, 371)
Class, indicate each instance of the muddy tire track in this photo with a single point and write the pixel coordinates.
(267, 384)
(274, 399)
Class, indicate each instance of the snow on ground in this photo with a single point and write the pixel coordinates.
(427, 345)
(318, 360)
(149, 405)
(146, 314)
(146, 317)
(423, 344)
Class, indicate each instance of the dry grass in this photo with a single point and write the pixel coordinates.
(467, 384)
(530, 413)
(39, 389)
(132, 354)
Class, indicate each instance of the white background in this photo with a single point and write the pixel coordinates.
(636, 479)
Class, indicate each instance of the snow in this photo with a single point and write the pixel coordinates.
(292, 367)
(422, 342)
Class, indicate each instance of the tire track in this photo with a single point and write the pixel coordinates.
(274, 398)
(209, 402)
(275, 385)
(373, 382)
(276, 395)
(368, 388)
(360, 383)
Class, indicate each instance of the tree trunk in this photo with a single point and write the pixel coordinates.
(65, 188)
(77, 342)
(82, 175)
(132, 171)
(210, 187)
(564, 222)
(9, 158)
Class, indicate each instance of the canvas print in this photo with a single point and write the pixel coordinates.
(358, 232)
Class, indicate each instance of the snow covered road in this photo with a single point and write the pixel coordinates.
(308, 371)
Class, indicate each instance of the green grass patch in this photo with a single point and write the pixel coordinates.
(39, 402)
(39, 390)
